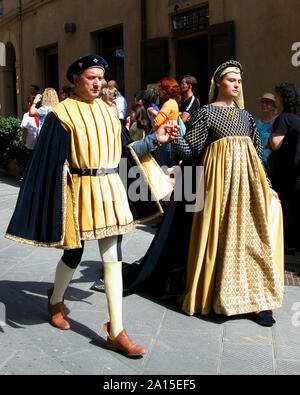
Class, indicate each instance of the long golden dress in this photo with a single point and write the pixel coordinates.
(235, 262)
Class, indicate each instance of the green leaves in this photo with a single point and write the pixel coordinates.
(10, 139)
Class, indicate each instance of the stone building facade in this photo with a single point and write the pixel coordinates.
(145, 40)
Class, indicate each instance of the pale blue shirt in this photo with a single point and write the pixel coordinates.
(43, 111)
(121, 104)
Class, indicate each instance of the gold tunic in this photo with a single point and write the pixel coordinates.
(96, 206)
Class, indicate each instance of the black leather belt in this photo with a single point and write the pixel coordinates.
(94, 172)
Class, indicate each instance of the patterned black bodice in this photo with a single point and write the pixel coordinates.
(211, 123)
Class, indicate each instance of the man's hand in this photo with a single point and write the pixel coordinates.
(167, 132)
(185, 116)
(127, 123)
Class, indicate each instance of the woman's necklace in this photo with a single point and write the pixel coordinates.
(224, 104)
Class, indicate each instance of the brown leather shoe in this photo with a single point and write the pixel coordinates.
(123, 343)
(58, 313)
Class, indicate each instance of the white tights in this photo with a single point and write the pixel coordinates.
(108, 248)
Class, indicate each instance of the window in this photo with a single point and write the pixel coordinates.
(110, 46)
(191, 21)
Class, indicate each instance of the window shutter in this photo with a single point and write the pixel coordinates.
(154, 60)
(221, 45)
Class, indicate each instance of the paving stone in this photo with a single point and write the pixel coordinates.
(247, 359)
(247, 333)
(197, 354)
(286, 367)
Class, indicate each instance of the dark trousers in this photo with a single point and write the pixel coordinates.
(72, 258)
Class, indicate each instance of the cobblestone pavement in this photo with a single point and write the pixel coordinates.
(177, 344)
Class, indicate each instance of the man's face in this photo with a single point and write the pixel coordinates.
(62, 96)
(184, 86)
(32, 91)
(88, 83)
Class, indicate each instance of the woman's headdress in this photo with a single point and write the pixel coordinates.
(231, 66)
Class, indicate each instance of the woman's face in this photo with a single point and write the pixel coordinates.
(132, 115)
(230, 85)
(278, 100)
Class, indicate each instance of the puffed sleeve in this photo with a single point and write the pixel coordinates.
(191, 145)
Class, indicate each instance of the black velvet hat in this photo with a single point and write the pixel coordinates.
(85, 62)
